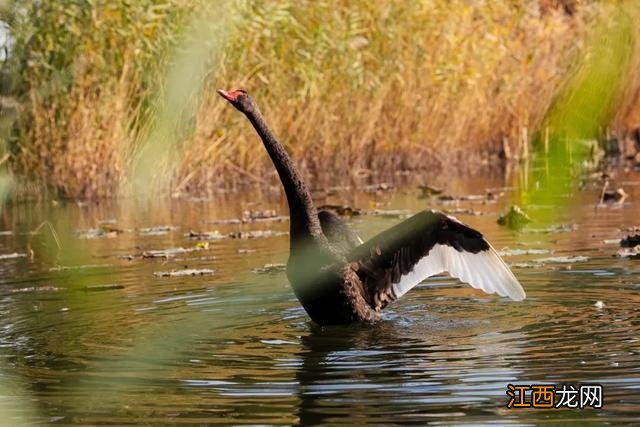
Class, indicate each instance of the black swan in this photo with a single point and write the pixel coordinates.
(338, 278)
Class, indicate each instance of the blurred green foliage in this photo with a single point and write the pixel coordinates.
(582, 111)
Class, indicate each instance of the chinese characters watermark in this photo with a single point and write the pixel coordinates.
(551, 396)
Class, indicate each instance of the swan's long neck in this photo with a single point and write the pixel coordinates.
(303, 215)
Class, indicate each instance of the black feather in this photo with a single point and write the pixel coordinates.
(385, 258)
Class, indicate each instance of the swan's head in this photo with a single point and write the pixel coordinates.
(239, 99)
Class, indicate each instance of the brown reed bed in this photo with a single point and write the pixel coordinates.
(353, 89)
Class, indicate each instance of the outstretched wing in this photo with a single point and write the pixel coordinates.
(338, 233)
(428, 243)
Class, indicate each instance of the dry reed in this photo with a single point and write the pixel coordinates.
(351, 88)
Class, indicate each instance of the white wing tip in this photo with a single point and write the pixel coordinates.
(517, 294)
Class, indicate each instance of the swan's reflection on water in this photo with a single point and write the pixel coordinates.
(389, 372)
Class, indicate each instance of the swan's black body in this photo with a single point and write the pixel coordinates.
(338, 278)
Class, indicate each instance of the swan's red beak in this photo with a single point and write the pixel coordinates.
(230, 96)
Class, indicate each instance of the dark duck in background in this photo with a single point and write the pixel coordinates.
(338, 278)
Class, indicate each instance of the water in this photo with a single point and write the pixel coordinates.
(89, 335)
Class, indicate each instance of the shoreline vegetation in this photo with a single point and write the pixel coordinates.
(108, 98)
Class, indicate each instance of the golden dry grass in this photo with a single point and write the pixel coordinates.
(351, 88)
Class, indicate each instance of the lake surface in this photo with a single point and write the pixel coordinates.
(92, 333)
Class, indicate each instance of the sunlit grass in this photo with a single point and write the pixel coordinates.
(121, 95)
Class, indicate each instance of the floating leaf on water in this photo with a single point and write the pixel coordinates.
(390, 213)
(468, 198)
(270, 268)
(205, 235)
(342, 210)
(461, 211)
(225, 221)
(12, 256)
(514, 219)
(159, 230)
(78, 267)
(256, 234)
(630, 241)
(167, 253)
(100, 288)
(32, 289)
(558, 228)
(104, 231)
(185, 272)
(526, 265)
(518, 252)
(563, 259)
(428, 191)
(248, 216)
(630, 253)
(473, 197)
(374, 188)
